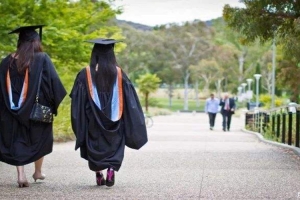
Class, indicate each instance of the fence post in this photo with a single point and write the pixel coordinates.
(258, 123)
(266, 121)
(290, 128)
(283, 127)
(278, 126)
(273, 124)
(297, 128)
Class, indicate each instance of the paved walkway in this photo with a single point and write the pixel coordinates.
(183, 160)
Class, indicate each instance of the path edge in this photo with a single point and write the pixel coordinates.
(296, 150)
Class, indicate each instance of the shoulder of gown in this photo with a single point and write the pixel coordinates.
(51, 83)
(135, 131)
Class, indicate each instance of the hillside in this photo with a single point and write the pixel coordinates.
(137, 26)
(144, 27)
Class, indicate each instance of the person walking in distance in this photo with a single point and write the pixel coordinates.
(227, 110)
(211, 108)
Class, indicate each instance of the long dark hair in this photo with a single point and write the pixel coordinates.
(25, 53)
(103, 65)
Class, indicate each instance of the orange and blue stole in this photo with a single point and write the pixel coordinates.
(23, 92)
(117, 96)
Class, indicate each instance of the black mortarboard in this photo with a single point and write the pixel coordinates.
(103, 41)
(27, 33)
(103, 45)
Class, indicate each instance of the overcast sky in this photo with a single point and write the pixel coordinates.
(157, 12)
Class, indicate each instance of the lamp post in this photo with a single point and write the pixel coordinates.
(249, 92)
(244, 90)
(249, 80)
(240, 98)
(273, 70)
(244, 86)
(257, 77)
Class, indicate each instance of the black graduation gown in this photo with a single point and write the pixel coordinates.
(23, 141)
(101, 140)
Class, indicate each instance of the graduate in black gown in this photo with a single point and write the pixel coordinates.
(106, 113)
(23, 141)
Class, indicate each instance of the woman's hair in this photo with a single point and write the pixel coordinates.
(25, 53)
(103, 65)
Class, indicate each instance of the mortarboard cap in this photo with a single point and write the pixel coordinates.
(103, 41)
(27, 33)
(103, 45)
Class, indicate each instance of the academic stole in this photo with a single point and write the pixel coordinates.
(117, 98)
(23, 92)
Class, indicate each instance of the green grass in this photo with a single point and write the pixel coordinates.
(178, 104)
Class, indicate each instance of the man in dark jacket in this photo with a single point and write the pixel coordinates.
(227, 109)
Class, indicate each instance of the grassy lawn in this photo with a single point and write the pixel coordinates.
(177, 104)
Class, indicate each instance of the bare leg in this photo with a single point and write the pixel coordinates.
(22, 180)
(38, 170)
(38, 166)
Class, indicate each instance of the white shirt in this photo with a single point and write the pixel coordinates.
(212, 105)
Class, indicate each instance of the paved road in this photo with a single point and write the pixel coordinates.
(183, 160)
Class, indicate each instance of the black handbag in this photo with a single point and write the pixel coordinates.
(39, 112)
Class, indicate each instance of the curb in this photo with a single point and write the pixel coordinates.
(262, 139)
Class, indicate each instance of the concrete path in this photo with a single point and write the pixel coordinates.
(182, 160)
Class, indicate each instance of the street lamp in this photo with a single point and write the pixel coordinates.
(249, 80)
(244, 86)
(240, 98)
(257, 77)
(274, 28)
(244, 90)
(249, 92)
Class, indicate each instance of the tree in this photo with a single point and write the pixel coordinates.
(206, 70)
(186, 44)
(137, 55)
(268, 20)
(259, 19)
(148, 83)
(68, 25)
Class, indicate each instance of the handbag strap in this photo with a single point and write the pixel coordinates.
(39, 85)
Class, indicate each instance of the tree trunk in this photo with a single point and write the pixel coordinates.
(241, 67)
(170, 94)
(218, 87)
(186, 87)
(197, 93)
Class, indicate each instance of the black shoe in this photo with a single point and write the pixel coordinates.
(211, 128)
(224, 129)
(110, 178)
(100, 180)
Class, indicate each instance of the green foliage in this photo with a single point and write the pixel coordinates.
(268, 20)
(148, 83)
(266, 99)
(177, 104)
(260, 19)
(68, 25)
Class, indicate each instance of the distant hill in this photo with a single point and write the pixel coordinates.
(144, 27)
(137, 26)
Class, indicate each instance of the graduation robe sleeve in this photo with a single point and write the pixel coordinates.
(78, 118)
(133, 116)
(52, 86)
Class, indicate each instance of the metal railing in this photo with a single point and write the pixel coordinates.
(277, 124)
